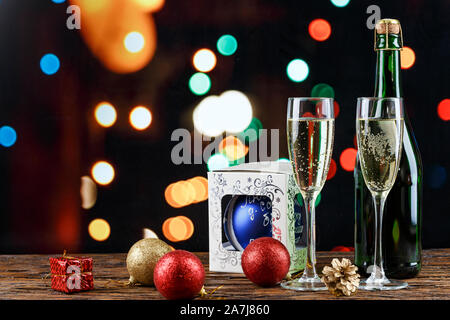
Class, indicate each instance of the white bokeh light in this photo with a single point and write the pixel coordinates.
(204, 60)
(230, 112)
(88, 192)
(105, 114)
(140, 118)
(206, 119)
(149, 234)
(237, 111)
(217, 161)
(297, 70)
(103, 173)
(134, 42)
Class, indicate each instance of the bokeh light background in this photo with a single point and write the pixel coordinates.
(86, 116)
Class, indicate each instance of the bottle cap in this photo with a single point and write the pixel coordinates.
(388, 27)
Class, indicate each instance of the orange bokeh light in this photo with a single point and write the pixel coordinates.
(149, 5)
(319, 29)
(105, 26)
(348, 159)
(233, 148)
(183, 193)
(189, 226)
(92, 6)
(200, 185)
(407, 57)
(165, 230)
(443, 109)
(332, 170)
(169, 198)
(99, 229)
(177, 229)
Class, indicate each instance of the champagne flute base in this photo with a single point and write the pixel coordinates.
(382, 285)
(305, 284)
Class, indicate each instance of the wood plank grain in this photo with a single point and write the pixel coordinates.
(22, 277)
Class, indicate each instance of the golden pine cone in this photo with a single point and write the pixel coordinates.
(341, 278)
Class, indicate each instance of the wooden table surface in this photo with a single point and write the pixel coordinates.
(22, 277)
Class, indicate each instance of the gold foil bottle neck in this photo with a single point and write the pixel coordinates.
(388, 27)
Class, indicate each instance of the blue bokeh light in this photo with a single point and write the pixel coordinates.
(58, 1)
(8, 136)
(437, 175)
(49, 64)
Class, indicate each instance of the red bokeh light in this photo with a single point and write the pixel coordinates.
(348, 159)
(336, 109)
(343, 249)
(443, 110)
(332, 170)
(319, 29)
(319, 110)
(308, 115)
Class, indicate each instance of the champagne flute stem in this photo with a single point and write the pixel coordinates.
(310, 267)
(377, 276)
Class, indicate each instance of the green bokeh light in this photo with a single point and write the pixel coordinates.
(322, 90)
(199, 83)
(236, 162)
(251, 133)
(300, 199)
(395, 232)
(227, 45)
(319, 197)
(340, 3)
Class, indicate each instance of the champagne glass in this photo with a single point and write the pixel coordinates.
(379, 129)
(310, 131)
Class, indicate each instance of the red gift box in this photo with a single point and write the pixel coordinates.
(71, 274)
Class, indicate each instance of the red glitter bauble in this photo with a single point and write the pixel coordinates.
(179, 275)
(265, 261)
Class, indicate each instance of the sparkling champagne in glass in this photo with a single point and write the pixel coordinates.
(310, 131)
(379, 129)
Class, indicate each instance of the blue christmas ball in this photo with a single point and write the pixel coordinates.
(247, 218)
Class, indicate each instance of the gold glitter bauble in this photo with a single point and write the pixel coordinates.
(142, 259)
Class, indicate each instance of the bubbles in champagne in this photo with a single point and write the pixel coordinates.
(380, 147)
(310, 146)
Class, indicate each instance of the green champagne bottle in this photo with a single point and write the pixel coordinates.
(402, 218)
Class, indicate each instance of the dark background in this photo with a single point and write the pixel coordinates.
(58, 140)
